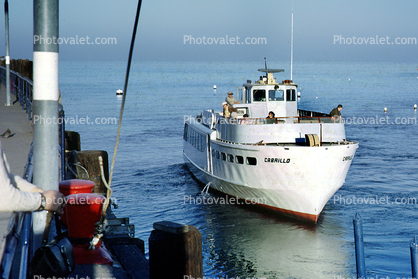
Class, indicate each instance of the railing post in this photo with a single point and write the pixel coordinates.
(25, 242)
(359, 246)
(414, 257)
(7, 57)
(29, 110)
(62, 137)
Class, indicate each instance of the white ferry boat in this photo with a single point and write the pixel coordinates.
(292, 163)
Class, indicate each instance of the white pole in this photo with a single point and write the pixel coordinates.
(291, 49)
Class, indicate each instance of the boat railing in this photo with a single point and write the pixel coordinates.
(21, 87)
(283, 120)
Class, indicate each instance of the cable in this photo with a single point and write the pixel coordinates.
(125, 88)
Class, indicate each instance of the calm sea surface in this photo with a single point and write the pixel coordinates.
(151, 182)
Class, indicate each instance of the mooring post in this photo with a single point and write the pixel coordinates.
(414, 257)
(359, 246)
(175, 251)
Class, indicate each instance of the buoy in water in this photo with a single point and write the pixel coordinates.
(119, 92)
(415, 106)
(385, 109)
(299, 94)
(214, 87)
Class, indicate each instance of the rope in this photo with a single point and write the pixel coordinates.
(125, 88)
(99, 225)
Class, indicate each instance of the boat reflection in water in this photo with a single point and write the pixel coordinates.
(262, 245)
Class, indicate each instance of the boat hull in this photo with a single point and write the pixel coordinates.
(296, 181)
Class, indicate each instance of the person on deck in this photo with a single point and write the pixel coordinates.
(244, 120)
(227, 110)
(270, 118)
(336, 112)
(271, 115)
(230, 99)
(17, 194)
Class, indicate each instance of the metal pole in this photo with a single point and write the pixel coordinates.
(45, 105)
(7, 57)
(291, 49)
(414, 257)
(359, 245)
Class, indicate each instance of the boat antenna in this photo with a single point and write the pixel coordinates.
(265, 63)
(291, 48)
(125, 88)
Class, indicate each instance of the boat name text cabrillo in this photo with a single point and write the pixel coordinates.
(277, 160)
(348, 158)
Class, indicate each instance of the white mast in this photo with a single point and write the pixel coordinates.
(291, 49)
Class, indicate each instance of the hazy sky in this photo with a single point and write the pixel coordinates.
(324, 30)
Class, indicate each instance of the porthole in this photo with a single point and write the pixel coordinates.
(223, 156)
(252, 161)
(239, 159)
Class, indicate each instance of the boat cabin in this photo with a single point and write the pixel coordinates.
(264, 95)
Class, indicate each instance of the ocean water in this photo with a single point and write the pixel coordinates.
(151, 183)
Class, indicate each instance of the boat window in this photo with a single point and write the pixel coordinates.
(252, 161)
(240, 93)
(248, 94)
(242, 111)
(202, 142)
(223, 156)
(192, 137)
(196, 139)
(259, 95)
(230, 158)
(276, 95)
(239, 159)
(290, 94)
(185, 132)
(218, 154)
(197, 145)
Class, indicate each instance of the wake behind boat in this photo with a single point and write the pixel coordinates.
(292, 163)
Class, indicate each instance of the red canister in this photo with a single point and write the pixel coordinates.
(83, 211)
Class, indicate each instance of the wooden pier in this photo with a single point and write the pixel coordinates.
(127, 252)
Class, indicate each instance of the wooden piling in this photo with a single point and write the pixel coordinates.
(72, 141)
(22, 66)
(89, 160)
(359, 246)
(414, 256)
(175, 251)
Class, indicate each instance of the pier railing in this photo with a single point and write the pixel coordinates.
(19, 230)
(21, 87)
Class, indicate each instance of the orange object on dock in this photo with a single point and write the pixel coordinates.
(83, 211)
(75, 186)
